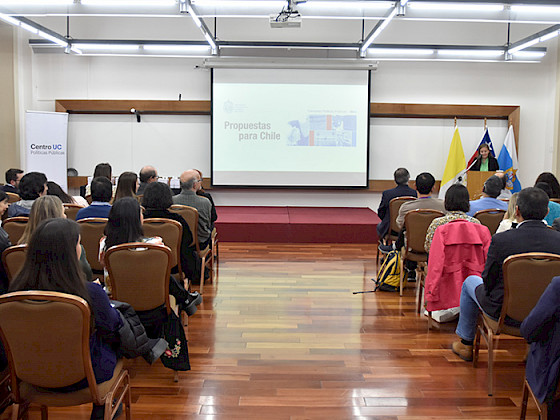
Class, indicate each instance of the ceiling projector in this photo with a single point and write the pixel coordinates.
(285, 19)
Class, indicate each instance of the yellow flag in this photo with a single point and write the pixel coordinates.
(455, 168)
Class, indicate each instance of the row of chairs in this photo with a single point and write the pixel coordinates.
(520, 296)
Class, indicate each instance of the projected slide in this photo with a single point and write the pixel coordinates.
(290, 128)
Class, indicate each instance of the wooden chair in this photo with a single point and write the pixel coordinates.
(92, 230)
(71, 210)
(490, 218)
(13, 259)
(15, 226)
(190, 214)
(556, 200)
(394, 206)
(12, 197)
(139, 275)
(542, 408)
(526, 276)
(416, 224)
(171, 232)
(46, 337)
(215, 244)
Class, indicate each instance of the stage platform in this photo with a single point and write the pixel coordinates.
(297, 224)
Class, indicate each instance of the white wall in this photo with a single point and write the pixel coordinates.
(420, 144)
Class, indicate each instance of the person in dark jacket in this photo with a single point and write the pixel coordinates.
(402, 189)
(485, 161)
(157, 200)
(541, 329)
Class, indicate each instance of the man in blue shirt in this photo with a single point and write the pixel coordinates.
(101, 194)
(491, 190)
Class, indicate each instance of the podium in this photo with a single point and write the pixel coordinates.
(475, 182)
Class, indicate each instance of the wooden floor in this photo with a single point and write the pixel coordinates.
(281, 336)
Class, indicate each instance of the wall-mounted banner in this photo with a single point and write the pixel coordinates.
(46, 145)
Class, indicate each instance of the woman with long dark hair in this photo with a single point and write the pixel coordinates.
(55, 189)
(485, 161)
(52, 264)
(552, 182)
(127, 185)
(125, 225)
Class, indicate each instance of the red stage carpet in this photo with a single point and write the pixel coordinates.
(297, 224)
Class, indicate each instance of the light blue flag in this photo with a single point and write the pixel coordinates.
(508, 162)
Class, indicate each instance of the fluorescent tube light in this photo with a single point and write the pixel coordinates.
(118, 3)
(36, 2)
(403, 2)
(467, 7)
(29, 28)
(400, 51)
(53, 39)
(523, 46)
(9, 19)
(524, 8)
(374, 35)
(529, 54)
(114, 47)
(244, 4)
(348, 5)
(176, 48)
(548, 36)
(470, 53)
(194, 17)
(210, 40)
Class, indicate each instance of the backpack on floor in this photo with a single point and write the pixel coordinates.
(388, 277)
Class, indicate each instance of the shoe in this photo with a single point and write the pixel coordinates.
(98, 412)
(190, 305)
(464, 351)
(411, 277)
(385, 249)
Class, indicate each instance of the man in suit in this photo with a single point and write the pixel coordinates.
(402, 189)
(13, 176)
(487, 293)
(101, 194)
(147, 175)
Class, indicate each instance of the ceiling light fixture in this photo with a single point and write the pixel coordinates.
(36, 2)
(400, 51)
(524, 8)
(106, 46)
(175, 48)
(529, 54)
(470, 52)
(377, 30)
(467, 7)
(53, 38)
(202, 26)
(118, 3)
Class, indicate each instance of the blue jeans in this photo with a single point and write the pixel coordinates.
(466, 328)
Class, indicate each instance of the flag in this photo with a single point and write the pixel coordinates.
(485, 140)
(456, 166)
(508, 162)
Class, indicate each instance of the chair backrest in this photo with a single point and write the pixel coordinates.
(12, 197)
(170, 231)
(556, 200)
(526, 276)
(490, 218)
(417, 223)
(139, 274)
(394, 206)
(71, 210)
(15, 226)
(46, 337)
(13, 259)
(92, 230)
(190, 214)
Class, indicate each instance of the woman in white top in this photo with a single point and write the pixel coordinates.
(509, 221)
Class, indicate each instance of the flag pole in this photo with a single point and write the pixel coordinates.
(485, 123)
(455, 122)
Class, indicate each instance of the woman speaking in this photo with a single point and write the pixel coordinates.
(485, 161)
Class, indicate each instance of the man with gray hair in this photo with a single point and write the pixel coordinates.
(190, 181)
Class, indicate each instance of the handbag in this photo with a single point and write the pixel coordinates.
(176, 357)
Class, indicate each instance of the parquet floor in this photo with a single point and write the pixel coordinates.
(281, 336)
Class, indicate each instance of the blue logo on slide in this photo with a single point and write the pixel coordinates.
(228, 107)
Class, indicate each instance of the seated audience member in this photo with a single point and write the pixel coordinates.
(32, 186)
(541, 329)
(509, 216)
(55, 189)
(13, 177)
(125, 225)
(402, 189)
(101, 193)
(4, 242)
(457, 205)
(52, 264)
(127, 186)
(147, 175)
(201, 192)
(485, 161)
(552, 182)
(104, 170)
(50, 207)
(190, 181)
(491, 190)
(486, 293)
(553, 208)
(157, 200)
(505, 194)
